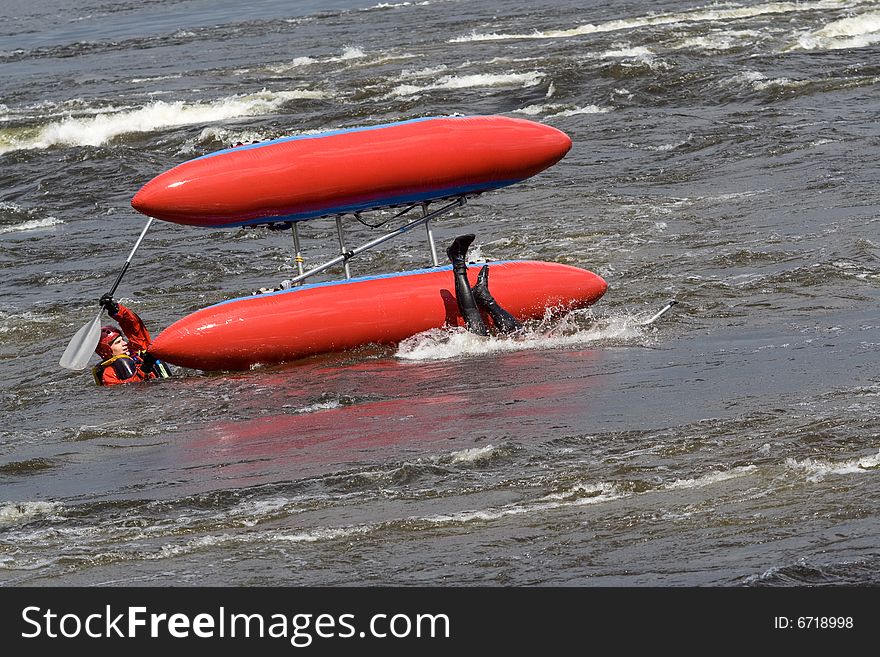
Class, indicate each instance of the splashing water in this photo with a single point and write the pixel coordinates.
(576, 328)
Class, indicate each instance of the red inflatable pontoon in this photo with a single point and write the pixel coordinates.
(327, 317)
(345, 171)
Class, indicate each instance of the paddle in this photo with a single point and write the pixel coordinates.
(661, 313)
(82, 345)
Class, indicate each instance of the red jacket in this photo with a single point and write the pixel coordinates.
(109, 373)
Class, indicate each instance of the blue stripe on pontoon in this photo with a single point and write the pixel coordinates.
(329, 133)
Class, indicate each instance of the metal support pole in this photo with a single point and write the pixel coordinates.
(460, 201)
(342, 250)
(297, 255)
(430, 236)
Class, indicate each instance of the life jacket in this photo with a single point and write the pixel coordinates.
(124, 365)
(127, 367)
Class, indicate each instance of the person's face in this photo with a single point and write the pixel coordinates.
(119, 346)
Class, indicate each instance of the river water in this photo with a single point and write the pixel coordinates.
(725, 155)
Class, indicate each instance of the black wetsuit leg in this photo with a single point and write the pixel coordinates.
(503, 320)
(467, 305)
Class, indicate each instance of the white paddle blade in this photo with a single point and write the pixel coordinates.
(82, 346)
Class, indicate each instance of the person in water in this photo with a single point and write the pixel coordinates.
(124, 358)
(472, 299)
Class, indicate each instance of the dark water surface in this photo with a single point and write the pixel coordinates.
(724, 155)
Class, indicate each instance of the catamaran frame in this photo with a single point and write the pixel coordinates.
(346, 254)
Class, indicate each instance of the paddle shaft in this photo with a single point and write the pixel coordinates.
(130, 256)
(661, 312)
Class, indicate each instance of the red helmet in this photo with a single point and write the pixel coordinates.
(108, 335)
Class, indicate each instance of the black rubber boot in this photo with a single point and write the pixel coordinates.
(467, 305)
(504, 321)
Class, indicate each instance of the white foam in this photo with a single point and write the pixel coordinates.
(700, 15)
(387, 5)
(157, 78)
(534, 110)
(748, 77)
(589, 109)
(252, 512)
(719, 40)
(33, 224)
(818, 469)
(170, 551)
(862, 24)
(584, 495)
(320, 406)
(853, 269)
(457, 342)
(212, 134)
(297, 62)
(17, 512)
(102, 128)
(348, 53)
(639, 52)
(473, 455)
(320, 534)
(779, 83)
(554, 110)
(711, 478)
(858, 31)
(580, 491)
(396, 5)
(523, 80)
(15, 321)
(427, 72)
(301, 536)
